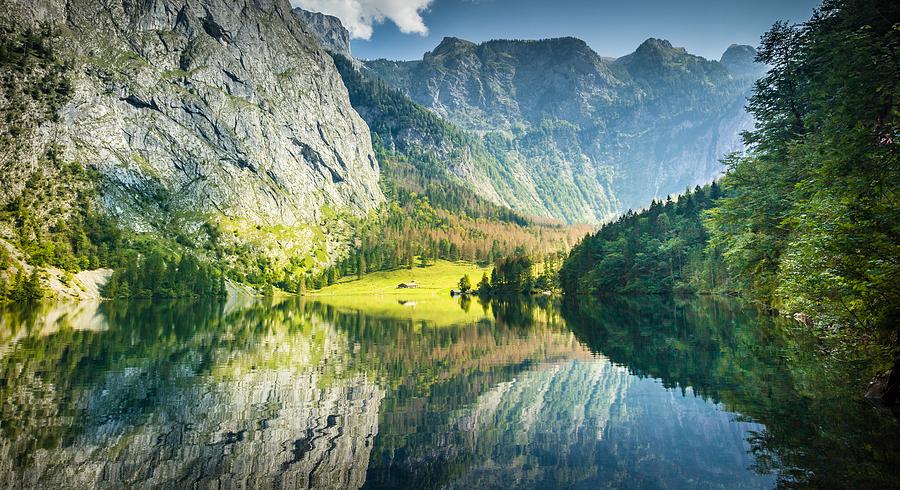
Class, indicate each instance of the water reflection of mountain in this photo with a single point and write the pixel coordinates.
(521, 402)
(295, 394)
(254, 395)
(205, 401)
(579, 424)
(817, 431)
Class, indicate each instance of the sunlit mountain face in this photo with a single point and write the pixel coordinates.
(310, 395)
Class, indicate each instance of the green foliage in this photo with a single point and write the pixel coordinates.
(812, 222)
(484, 285)
(465, 284)
(23, 288)
(512, 275)
(57, 222)
(418, 165)
(34, 83)
(662, 249)
(158, 274)
(578, 155)
(430, 214)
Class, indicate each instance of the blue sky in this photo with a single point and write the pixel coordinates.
(612, 28)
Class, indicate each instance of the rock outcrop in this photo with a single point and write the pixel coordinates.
(195, 111)
(279, 411)
(328, 30)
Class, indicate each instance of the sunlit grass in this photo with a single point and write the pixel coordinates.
(437, 279)
(430, 302)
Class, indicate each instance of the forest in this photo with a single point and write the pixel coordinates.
(429, 213)
(807, 221)
(661, 250)
(55, 220)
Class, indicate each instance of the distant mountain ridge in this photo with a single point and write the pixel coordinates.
(588, 136)
(549, 127)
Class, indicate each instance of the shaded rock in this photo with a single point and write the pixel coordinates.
(582, 137)
(884, 390)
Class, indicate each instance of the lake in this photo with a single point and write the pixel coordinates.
(445, 393)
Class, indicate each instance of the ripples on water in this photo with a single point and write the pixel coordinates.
(641, 394)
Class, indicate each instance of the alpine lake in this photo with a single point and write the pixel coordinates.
(378, 392)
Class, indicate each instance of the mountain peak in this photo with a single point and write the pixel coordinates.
(328, 31)
(740, 60)
(450, 44)
(738, 53)
(658, 45)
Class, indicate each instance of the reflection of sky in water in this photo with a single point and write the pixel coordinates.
(294, 396)
(592, 424)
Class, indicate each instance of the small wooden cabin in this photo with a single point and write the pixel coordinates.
(407, 285)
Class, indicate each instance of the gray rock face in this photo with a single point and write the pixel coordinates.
(197, 109)
(740, 60)
(587, 136)
(503, 83)
(328, 30)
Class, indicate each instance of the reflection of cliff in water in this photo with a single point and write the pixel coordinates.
(252, 394)
(270, 428)
(294, 394)
(519, 402)
(243, 401)
(816, 430)
(583, 424)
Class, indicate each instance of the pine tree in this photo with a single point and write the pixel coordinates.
(484, 285)
(16, 292)
(465, 284)
(33, 288)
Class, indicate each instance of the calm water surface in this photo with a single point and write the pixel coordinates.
(656, 393)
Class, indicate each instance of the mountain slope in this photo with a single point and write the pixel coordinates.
(187, 113)
(587, 136)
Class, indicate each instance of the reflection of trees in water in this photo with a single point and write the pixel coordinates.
(182, 394)
(816, 430)
(286, 393)
(503, 403)
(435, 374)
(524, 311)
(169, 390)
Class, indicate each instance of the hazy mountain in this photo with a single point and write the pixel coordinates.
(586, 136)
(741, 61)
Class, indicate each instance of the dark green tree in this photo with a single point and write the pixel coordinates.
(465, 284)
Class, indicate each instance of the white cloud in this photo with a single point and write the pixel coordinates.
(358, 16)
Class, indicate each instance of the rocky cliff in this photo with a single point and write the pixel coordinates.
(328, 30)
(195, 111)
(586, 136)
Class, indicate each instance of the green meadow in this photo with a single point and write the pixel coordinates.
(430, 302)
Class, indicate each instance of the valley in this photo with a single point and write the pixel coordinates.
(235, 253)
